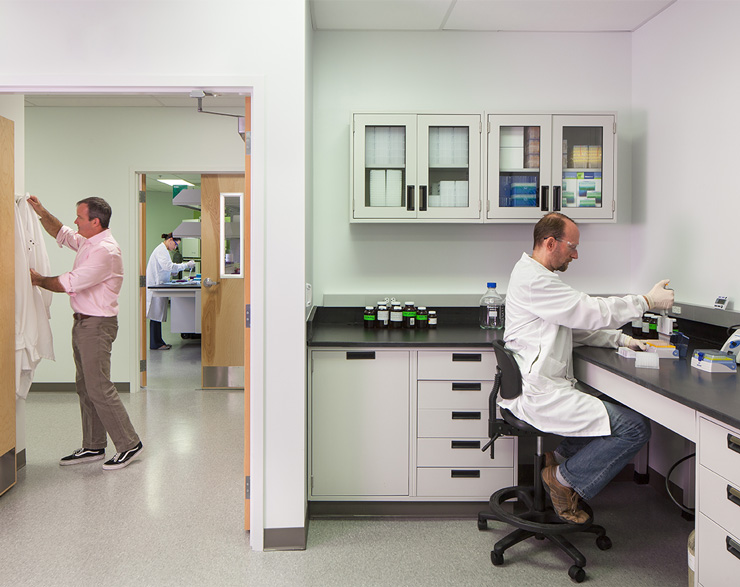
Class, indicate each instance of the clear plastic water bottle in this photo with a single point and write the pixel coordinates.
(492, 308)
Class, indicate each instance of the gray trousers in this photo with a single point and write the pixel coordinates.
(100, 405)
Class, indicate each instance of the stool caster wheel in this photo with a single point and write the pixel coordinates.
(497, 559)
(577, 574)
(482, 524)
(603, 543)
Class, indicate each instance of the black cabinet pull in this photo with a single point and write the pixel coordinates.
(463, 474)
(422, 198)
(466, 357)
(466, 387)
(410, 198)
(733, 495)
(466, 415)
(733, 443)
(474, 444)
(556, 198)
(544, 205)
(360, 355)
(733, 547)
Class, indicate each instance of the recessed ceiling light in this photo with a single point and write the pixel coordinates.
(174, 182)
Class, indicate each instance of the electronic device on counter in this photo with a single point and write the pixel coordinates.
(713, 361)
(720, 303)
(732, 346)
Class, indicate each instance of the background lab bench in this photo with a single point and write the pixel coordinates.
(184, 305)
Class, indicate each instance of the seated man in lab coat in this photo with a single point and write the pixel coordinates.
(544, 318)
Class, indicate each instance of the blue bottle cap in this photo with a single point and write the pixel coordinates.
(491, 284)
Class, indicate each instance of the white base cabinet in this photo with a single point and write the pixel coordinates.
(404, 425)
(718, 519)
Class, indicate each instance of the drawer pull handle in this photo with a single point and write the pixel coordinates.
(467, 357)
(733, 443)
(475, 444)
(466, 415)
(360, 355)
(733, 547)
(466, 387)
(463, 474)
(733, 495)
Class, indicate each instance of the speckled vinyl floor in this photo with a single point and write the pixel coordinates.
(174, 517)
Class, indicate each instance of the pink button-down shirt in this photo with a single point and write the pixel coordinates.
(95, 281)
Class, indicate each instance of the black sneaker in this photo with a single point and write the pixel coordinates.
(122, 459)
(83, 455)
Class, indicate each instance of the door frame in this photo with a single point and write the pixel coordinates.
(253, 86)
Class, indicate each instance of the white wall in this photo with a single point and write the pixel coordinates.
(458, 72)
(187, 43)
(686, 97)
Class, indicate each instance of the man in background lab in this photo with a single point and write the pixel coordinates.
(544, 318)
(93, 286)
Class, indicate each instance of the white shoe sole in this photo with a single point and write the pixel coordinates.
(83, 460)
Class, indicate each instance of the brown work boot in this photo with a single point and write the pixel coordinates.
(564, 499)
(550, 459)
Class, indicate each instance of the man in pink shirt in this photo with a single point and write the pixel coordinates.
(93, 286)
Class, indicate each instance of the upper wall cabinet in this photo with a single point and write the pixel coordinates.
(544, 163)
(416, 168)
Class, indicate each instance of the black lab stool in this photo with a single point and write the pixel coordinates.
(531, 515)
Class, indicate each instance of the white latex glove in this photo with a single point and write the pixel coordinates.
(191, 264)
(631, 343)
(660, 298)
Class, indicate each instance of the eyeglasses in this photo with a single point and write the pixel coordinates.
(571, 246)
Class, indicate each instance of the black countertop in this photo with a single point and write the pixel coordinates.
(458, 327)
(714, 394)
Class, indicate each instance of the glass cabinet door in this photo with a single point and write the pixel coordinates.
(519, 166)
(384, 166)
(449, 166)
(584, 173)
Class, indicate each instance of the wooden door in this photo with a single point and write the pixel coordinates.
(222, 296)
(7, 308)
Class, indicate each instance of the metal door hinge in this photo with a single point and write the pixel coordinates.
(142, 196)
(248, 315)
(247, 487)
(247, 140)
(142, 280)
(142, 365)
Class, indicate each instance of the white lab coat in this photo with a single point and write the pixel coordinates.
(159, 270)
(33, 337)
(544, 317)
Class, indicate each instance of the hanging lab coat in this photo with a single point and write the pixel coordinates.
(544, 318)
(159, 270)
(33, 337)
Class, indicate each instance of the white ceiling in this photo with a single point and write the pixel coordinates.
(484, 15)
(413, 15)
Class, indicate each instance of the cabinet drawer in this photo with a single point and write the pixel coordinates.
(718, 566)
(719, 450)
(451, 366)
(465, 452)
(453, 423)
(454, 394)
(719, 500)
(443, 482)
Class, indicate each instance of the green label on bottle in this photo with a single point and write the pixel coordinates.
(369, 317)
(421, 316)
(409, 314)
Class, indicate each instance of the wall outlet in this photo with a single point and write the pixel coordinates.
(676, 310)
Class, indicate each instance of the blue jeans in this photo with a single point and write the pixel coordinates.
(594, 461)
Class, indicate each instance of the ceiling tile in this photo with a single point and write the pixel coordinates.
(379, 14)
